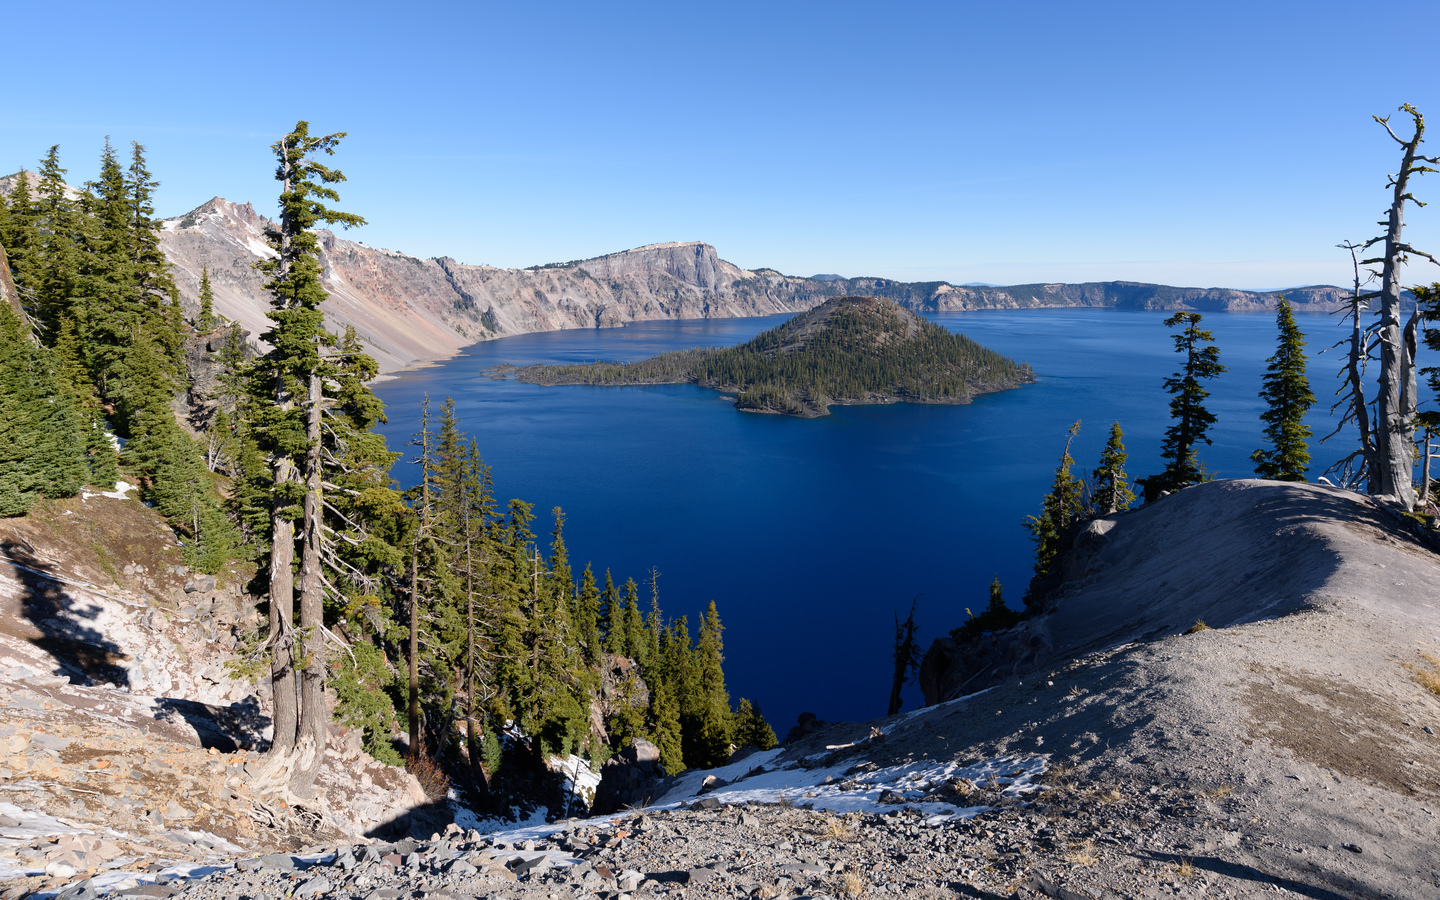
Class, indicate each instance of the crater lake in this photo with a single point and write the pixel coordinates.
(811, 535)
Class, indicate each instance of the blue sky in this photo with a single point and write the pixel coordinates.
(1218, 144)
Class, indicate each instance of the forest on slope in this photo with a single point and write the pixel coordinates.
(848, 350)
(434, 608)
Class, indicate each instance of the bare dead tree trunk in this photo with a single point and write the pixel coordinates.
(1395, 413)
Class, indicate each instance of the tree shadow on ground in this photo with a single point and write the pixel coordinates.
(239, 726)
(418, 823)
(83, 653)
(1242, 872)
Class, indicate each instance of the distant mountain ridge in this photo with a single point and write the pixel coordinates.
(411, 310)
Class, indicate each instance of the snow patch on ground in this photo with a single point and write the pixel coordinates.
(122, 487)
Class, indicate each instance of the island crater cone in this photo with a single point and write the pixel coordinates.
(847, 350)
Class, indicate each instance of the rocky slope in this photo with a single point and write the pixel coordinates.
(124, 738)
(412, 310)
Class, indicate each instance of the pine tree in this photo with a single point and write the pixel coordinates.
(751, 729)
(205, 322)
(1112, 493)
(289, 418)
(99, 448)
(1061, 508)
(1288, 397)
(1192, 419)
(587, 618)
(637, 639)
(57, 258)
(716, 727)
(155, 293)
(612, 618)
(21, 239)
(665, 731)
(42, 446)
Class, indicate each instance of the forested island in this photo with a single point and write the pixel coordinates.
(848, 350)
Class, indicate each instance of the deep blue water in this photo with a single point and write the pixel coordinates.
(811, 534)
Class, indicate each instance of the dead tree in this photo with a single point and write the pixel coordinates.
(1395, 407)
(907, 656)
(1358, 467)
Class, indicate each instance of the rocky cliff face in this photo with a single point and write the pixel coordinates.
(411, 310)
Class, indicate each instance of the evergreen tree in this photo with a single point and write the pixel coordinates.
(57, 258)
(612, 618)
(587, 618)
(42, 446)
(155, 291)
(665, 731)
(715, 731)
(21, 238)
(99, 448)
(1112, 493)
(637, 640)
(1061, 508)
(1428, 302)
(751, 729)
(289, 418)
(205, 322)
(1288, 397)
(1191, 419)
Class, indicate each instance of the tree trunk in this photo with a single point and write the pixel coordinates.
(1395, 414)
(282, 619)
(1357, 395)
(313, 729)
(415, 648)
(473, 748)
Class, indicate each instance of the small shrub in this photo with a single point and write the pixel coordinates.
(431, 775)
(850, 884)
(1083, 855)
(1185, 869)
(1429, 678)
(835, 829)
(1198, 627)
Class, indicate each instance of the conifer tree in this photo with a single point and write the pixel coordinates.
(612, 618)
(289, 418)
(1191, 419)
(1288, 397)
(42, 448)
(751, 729)
(1112, 493)
(22, 239)
(1058, 511)
(587, 618)
(637, 639)
(1428, 301)
(665, 731)
(205, 322)
(716, 727)
(57, 258)
(99, 450)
